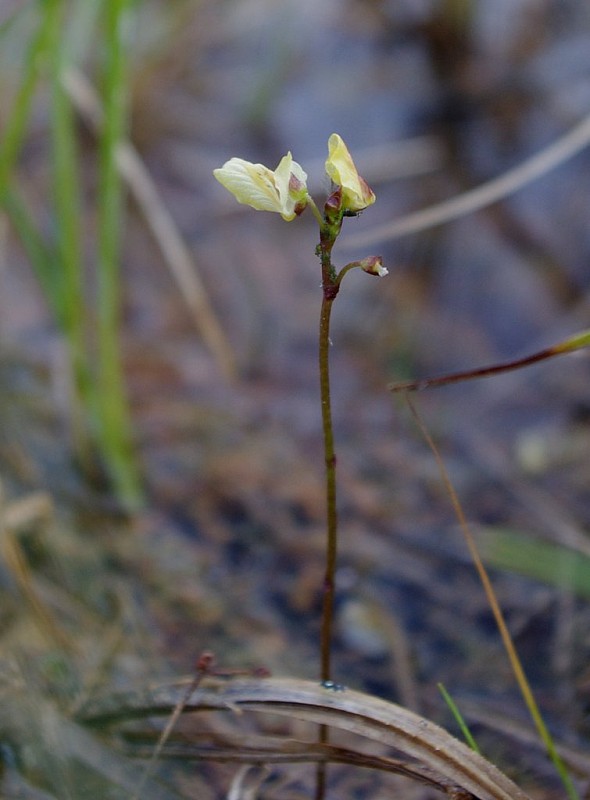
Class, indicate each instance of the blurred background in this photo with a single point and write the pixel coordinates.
(160, 434)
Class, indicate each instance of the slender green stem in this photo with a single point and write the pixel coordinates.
(459, 719)
(115, 437)
(315, 210)
(330, 287)
(330, 461)
(68, 279)
(14, 131)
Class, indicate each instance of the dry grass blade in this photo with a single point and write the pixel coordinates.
(34, 508)
(247, 782)
(567, 146)
(361, 714)
(513, 657)
(276, 750)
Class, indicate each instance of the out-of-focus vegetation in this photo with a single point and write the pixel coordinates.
(49, 38)
(202, 404)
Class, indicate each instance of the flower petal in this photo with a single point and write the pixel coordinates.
(283, 191)
(251, 184)
(290, 181)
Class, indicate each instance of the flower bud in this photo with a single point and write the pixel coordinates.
(372, 265)
(356, 193)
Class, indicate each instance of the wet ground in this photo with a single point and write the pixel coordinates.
(228, 553)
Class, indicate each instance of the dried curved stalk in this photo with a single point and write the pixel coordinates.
(284, 750)
(361, 714)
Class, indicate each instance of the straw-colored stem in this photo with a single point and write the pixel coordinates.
(513, 657)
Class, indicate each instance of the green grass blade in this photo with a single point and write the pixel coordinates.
(67, 196)
(459, 719)
(115, 427)
(69, 225)
(16, 125)
(11, 143)
(549, 563)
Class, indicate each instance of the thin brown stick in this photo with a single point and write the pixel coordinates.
(204, 667)
(471, 374)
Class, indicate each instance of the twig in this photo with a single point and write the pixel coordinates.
(205, 666)
(576, 342)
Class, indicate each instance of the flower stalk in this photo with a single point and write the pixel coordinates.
(284, 191)
(330, 287)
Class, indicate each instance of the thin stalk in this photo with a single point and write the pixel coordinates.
(330, 478)
(513, 657)
(330, 287)
(459, 719)
(34, 62)
(115, 431)
(575, 342)
(69, 277)
(43, 44)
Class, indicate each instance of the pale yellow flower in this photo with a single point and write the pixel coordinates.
(283, 190)
(356, 193)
